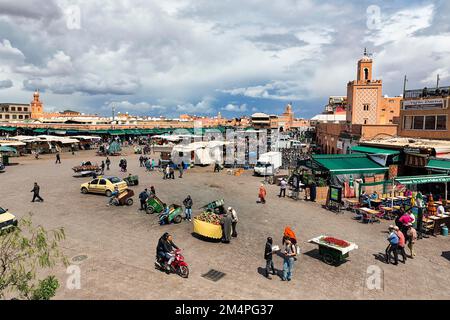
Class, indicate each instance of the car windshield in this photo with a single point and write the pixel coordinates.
(114, 180)
(2, 210)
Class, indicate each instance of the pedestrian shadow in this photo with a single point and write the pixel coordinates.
(200, 237)
(262, 271)
(380, 257)
(446, 255)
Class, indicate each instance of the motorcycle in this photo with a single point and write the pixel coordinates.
(178, 266)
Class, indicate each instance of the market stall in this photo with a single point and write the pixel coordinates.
(207, 224)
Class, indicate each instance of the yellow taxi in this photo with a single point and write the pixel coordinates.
(7, 220)
(104, 185)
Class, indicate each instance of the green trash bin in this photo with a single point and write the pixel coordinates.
(5, 159)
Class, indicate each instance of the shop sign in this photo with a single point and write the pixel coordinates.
(428, 104)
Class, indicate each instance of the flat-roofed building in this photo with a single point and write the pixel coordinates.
(425, 113)
(14, 112)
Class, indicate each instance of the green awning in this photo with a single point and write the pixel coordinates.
(8, 128)
(7, 149)
(372, 150)
(40, 130)
(116, 132)
(441, 165)
(347, 164)
(438, 178)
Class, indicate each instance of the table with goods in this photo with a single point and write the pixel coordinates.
(332, 250)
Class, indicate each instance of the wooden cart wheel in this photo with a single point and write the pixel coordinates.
(328, 258)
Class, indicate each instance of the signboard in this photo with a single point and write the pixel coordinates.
(335, 194)
(428, 104)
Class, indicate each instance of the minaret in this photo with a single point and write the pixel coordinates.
(365, 68)
(36, 106)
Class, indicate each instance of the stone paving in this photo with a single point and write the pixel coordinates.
(120, 242)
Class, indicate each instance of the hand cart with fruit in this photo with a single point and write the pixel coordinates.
(333, 251)
(86, 170)
(207, 224)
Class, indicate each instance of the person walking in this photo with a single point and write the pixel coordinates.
(225, 222)
(268, 256)
(102, 167)
(283, 186)
(412, 237)
(171, 173)
(58, 158)
(166, 172)
(262, 194)
(152, 190)
(36, 189)
(401, 243)
(234, 221)
(141, 161)
(108, 163)
(180, 169)
(393, 246)
(188, 208)
(288, 263)
(216, 166)
(143, 196)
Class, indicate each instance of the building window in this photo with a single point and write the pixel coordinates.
(407, 122)
(14, 116)
(366, 74)
(6, 116)
(25, 109)
(1, 116)
(26, 116)
(366, 107)
(441, 123)
(20, 116)
(365, 121)
(418, 122)
(13, 108)
(430, 123)
(19, 109)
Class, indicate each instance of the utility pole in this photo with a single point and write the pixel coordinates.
(404, 85)
(437, 82)
(113, 107)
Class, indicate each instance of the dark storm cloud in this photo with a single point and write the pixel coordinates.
(30, 9)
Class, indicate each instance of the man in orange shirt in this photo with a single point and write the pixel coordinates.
(262, 193)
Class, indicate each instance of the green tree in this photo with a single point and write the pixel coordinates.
(26, 250)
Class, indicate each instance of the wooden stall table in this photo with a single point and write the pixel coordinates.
(389, 213)
(376, 203)
(371, 214)
(351, 204)
(438, 222)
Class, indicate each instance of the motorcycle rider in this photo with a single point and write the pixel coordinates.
(165, 249)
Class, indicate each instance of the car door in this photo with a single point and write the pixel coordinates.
(102, 186)
(93, 186)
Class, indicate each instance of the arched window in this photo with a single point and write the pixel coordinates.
(366, 74)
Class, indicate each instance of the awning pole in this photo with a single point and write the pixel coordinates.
(446, 192)
(392, 197)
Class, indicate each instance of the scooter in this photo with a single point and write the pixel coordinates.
(178, 266)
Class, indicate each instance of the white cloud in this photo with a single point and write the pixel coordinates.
(401, 24)
(235, 107)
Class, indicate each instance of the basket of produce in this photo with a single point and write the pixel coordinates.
(86, 168)
(208, 225)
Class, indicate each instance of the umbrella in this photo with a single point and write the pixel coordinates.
(7, 149)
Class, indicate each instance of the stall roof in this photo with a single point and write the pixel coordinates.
(438, 165)
(347, 164)
(372, 150)
(437, 178)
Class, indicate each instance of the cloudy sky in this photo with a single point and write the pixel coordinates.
(169, 57)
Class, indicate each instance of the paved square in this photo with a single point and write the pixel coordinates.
(115, 246)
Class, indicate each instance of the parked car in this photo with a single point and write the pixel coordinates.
(7, 220)
(104, 185)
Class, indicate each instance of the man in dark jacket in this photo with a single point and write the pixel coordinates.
(35, 191)
(188, 205)
(268, 257)
(143, 196)
(165, 249)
